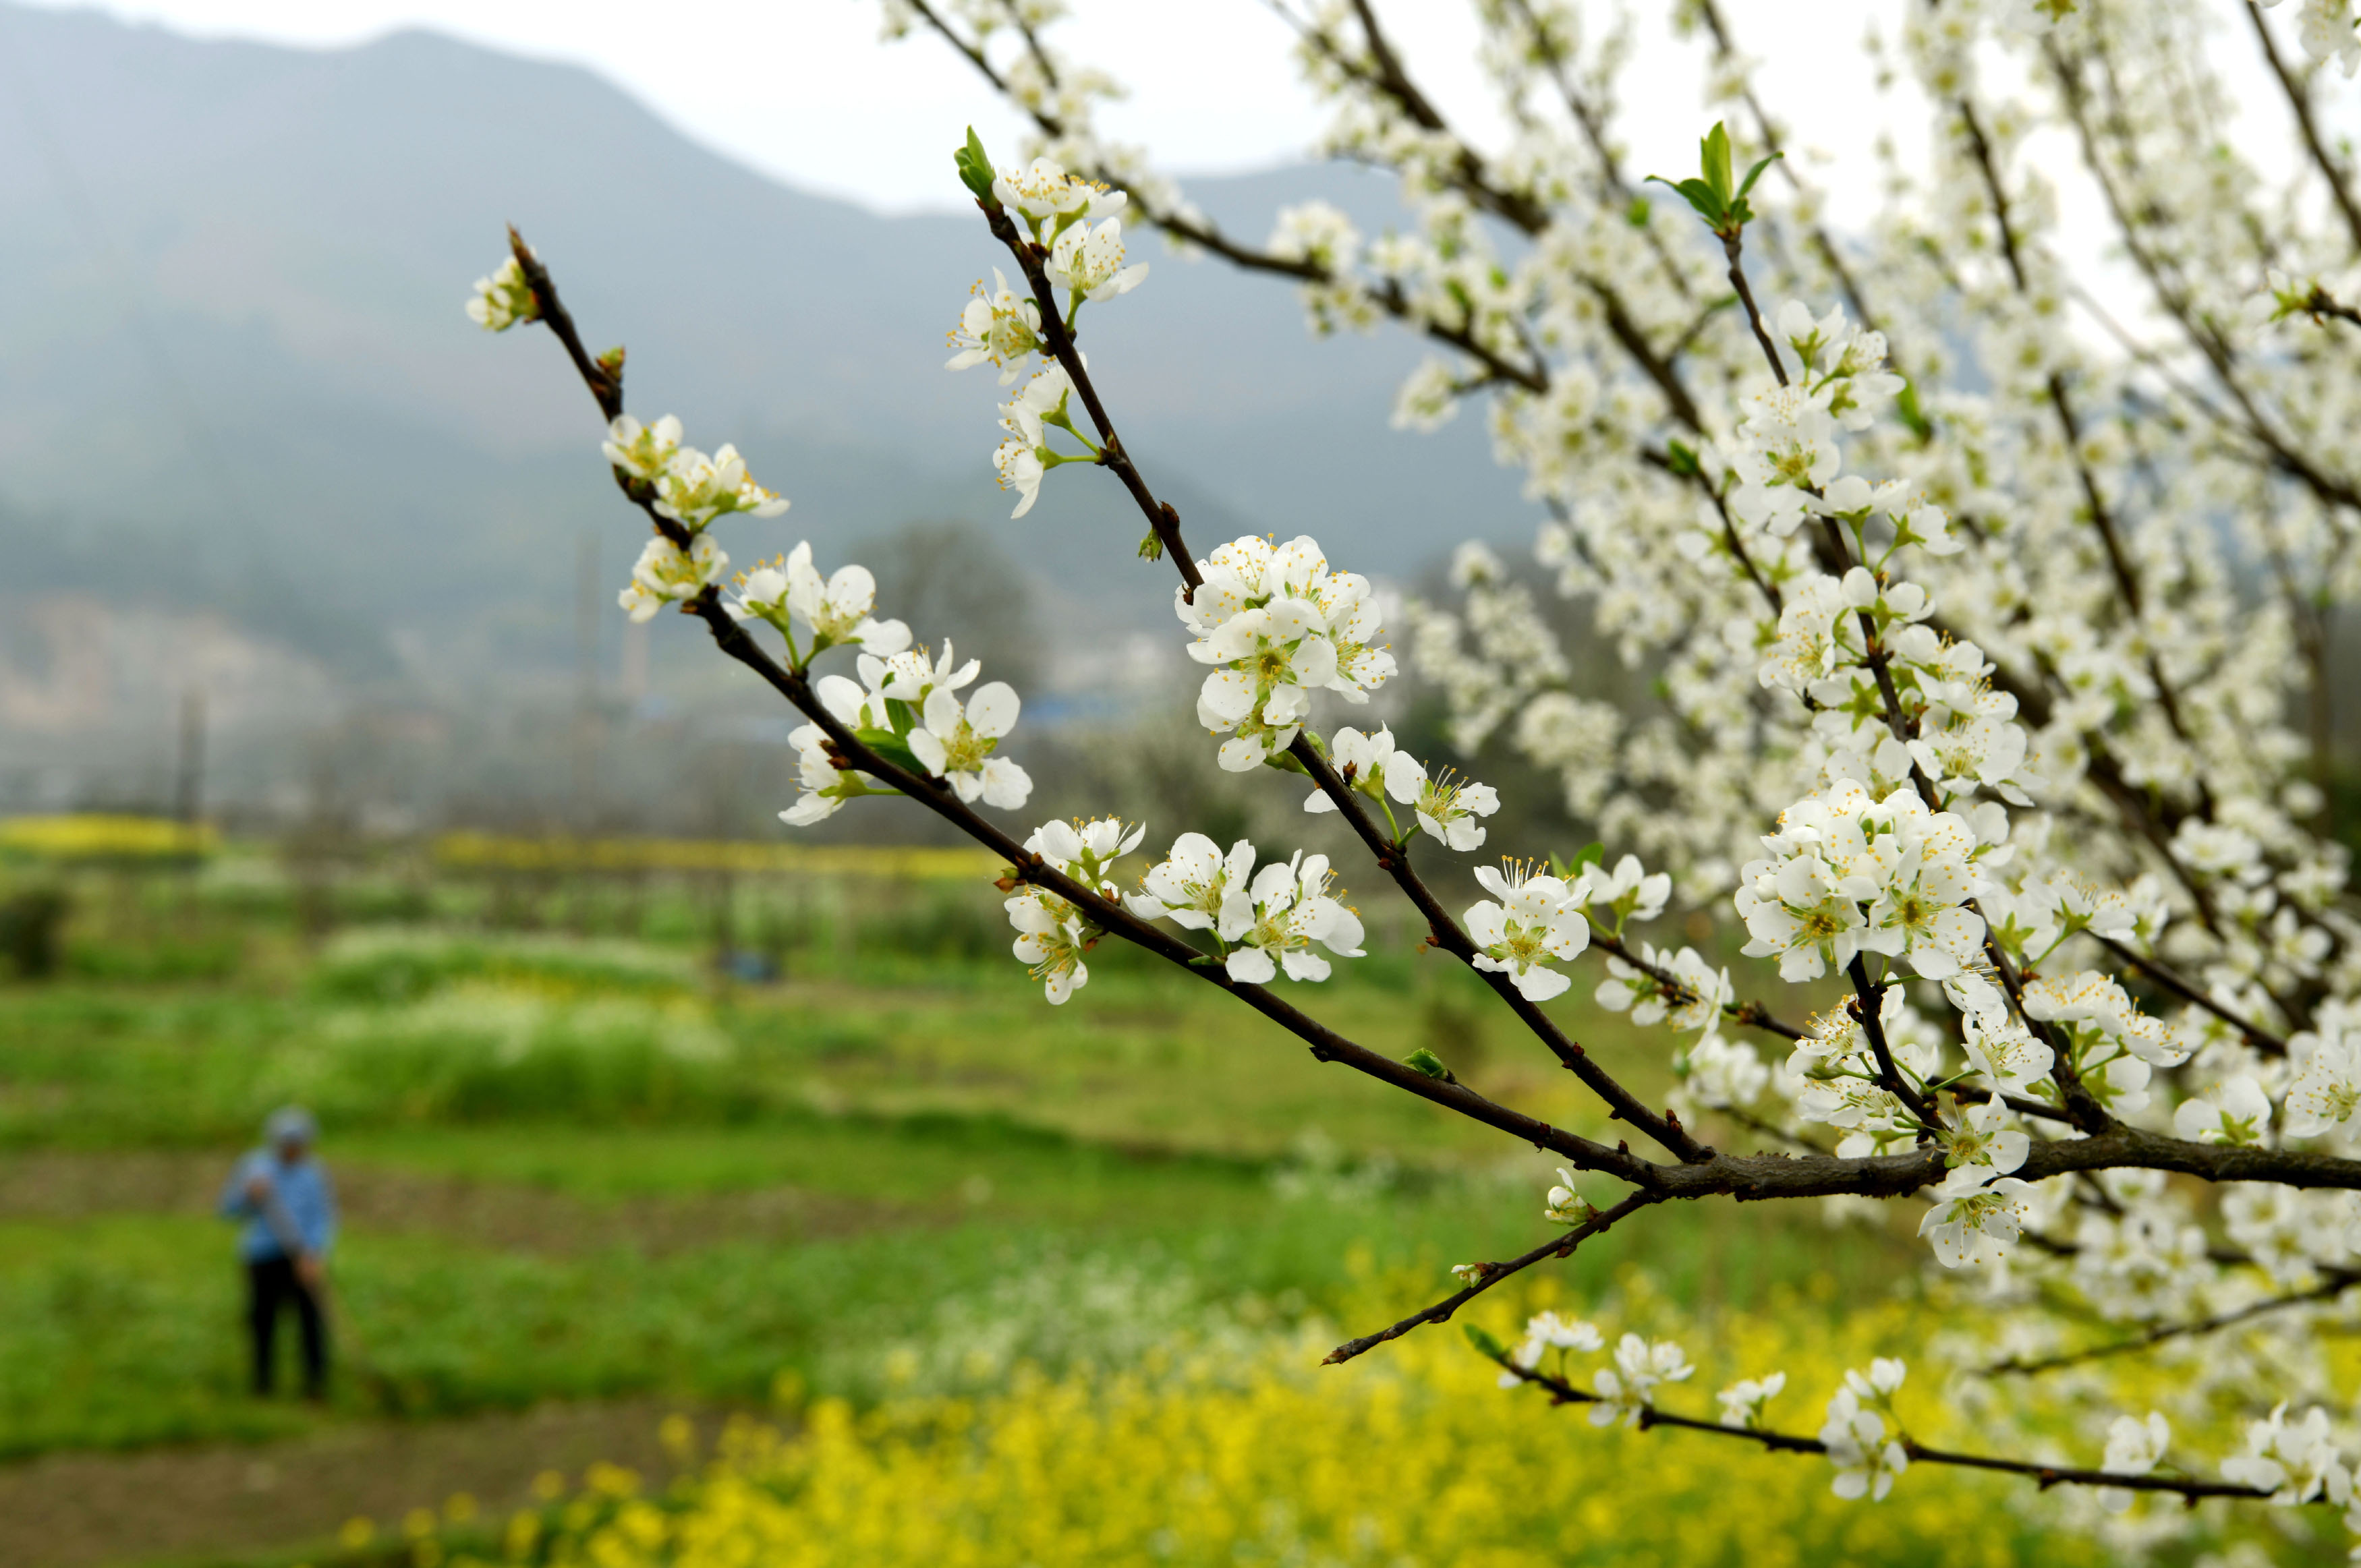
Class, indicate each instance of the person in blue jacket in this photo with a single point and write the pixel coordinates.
(282, 1194)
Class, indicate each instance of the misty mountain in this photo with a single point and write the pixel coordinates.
(236, 379)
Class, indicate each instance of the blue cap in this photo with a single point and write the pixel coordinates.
(291, 1124)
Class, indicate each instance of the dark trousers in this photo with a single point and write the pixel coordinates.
(268, 1284)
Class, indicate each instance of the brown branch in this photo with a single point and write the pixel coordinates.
(2323, 303)
(2049, 1475)
(1493, 1274)
(2299, 97)
(1745, 1178)
(1446, 934)
(1108, 915)
(2161, 1334)
(1161, 518)
(1731, 248)
(1865, 1006)
(1387, 295)
(2262, 1039)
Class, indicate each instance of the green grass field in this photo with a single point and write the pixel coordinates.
(581, 1175)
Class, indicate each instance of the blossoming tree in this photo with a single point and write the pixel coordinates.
(1994, 632)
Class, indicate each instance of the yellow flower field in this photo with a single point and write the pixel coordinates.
(1409, 1456)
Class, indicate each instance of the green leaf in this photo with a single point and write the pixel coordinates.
(1636, 215)
(1713, 157)
(975, 170)
(1427, 1063)
(1590, 854)
(1485, 1345)
(1284, 761)
(1683, 459)
(890, 747)
(1756, 173)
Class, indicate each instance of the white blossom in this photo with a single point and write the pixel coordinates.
(1743, 1402)
(1972, 1221)
(1980, 1140)
(1536, 918)
(1001, 327)
(1190, 884)
(1024, 457)
(1565, 1204)
(835, 609)
(1051, 941)
(956, 743)
(1271, 922)
(1626, 892)
(1867, 1459)
(2135, 1447)
(2327, 1085)
(503, 299)
(1276, 625)
(641, 451)
(1546, 1332)
(2234, 1111)
(1090, 261)
(2295, 1462)
(1447, 806)
(1693, 1000)
(694, 488)
(1087, 850)
(664, 574)
(1627, 1388)
(1360, 761)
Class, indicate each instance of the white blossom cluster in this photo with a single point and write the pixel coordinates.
(1276, 625)
(1266, 922)
(1444, 808)
(1078, 224)
(2015, 642)
(690, 489)
(2006, 604)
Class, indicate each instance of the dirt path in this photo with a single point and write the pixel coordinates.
(65, 1185)
(81, 1511)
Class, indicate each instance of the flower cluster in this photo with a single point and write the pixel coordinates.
(1078, 224)
(833, 609)
(1276, 625)
(665, 573)
(1444, 808)
(1868, 1460)
(1025, 456)
(1629, 1386)
(1266, 921)
(503, 299)
(688, 486)
(1002, 327)
(906, 709)
(1053, 934)
(1850, 873)
(1532, 919)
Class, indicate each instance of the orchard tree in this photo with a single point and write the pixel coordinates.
(1993, 611)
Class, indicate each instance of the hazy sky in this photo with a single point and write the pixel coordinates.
(805, 90)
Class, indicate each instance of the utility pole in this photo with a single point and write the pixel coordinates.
(585, 671)
(188, 775)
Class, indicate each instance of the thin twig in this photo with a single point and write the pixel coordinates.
(1493, 1274)
(2162, 1333)
(2049, 1475)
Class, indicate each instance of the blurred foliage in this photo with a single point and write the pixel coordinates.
(100, 836)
